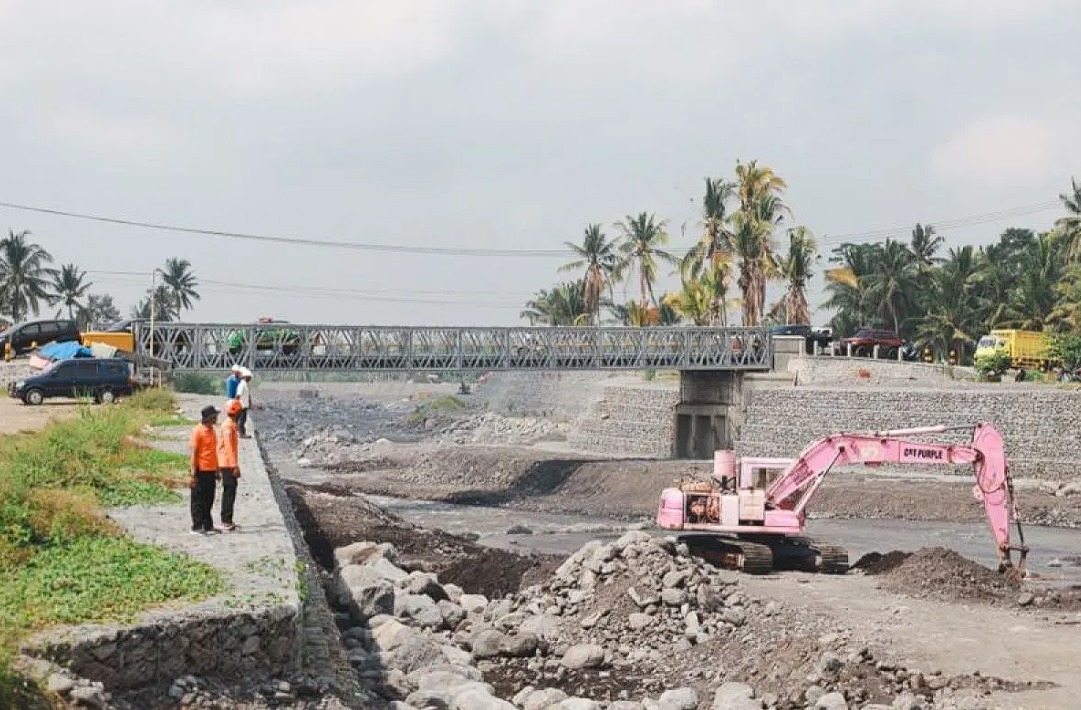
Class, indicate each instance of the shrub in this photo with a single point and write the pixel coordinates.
(992, 363)
(196, 383)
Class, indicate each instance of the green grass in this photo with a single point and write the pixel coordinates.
(448, 403)
(62, 559)
(198, 383)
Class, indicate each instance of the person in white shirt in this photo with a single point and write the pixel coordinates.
(243, 393)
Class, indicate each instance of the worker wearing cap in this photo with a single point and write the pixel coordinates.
(229, 463)
(204, 472)
(243, 393)
(232, 382)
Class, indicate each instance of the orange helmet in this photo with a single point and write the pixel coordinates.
(232, 407)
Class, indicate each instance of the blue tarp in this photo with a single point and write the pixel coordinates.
(63, 351)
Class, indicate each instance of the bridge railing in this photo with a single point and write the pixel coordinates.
(203, 346)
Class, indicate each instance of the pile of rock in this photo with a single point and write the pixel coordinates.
(491, 428)
(636, 624)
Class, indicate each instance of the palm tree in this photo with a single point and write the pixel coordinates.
(599, 258)
(24, 275)
(163, 306)
(1034, 294)
(847, 286)
(181, 284)
(925, 246)
(694, 301)
(761, 209)
(642, 237)
(796, 267)
(69, 288)
(1071, 223)
(892, 284)
(100, 310)
(563, 305)
(952, 321)
(713, 252)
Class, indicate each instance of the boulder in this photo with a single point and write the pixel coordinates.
(391, 634)
(424, 585)
(365, 591)
(578, 704)
(417, 653)
(735, 696)
(422, 611)
(487, 644)
(544, 698)
(832, 701)
(519, 646)
(639, 621)
(473, 603)
(682, 698)
(583, 655)
(477, 699)
(452, 613)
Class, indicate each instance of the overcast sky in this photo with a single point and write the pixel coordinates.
(511, 125)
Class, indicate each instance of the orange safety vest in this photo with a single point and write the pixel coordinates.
(204, 449)
(227, 445)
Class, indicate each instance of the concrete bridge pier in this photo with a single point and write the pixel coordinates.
(709, 413)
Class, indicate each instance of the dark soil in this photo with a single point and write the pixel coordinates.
(940, 573)
(332, 517)
(877, 563)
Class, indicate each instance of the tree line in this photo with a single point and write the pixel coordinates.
(30, 282)
(942, 300)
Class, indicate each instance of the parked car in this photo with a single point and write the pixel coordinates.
(104, 379)
(865, 339)
(22, 336)
(812, 336)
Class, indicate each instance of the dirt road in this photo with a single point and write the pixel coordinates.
(16, 416)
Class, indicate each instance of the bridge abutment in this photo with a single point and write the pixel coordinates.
(709, 412)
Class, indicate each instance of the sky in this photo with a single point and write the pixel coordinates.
(511, 125)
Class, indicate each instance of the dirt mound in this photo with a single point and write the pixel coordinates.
(941, 573)
(877, 563)
(495, 573)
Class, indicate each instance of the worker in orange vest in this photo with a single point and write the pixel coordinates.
(204, 472)
(229, 462)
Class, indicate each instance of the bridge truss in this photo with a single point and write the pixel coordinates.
(280, 346)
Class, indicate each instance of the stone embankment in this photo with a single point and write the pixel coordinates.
(636, 624)
(268, 641)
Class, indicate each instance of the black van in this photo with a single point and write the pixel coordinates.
(104, 379)
(23, 335)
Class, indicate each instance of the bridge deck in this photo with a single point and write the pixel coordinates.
(203, 346)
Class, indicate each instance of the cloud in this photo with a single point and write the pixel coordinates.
(999, 151)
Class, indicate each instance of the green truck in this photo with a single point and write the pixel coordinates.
(269, 337)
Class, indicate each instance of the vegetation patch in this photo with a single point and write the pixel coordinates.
(446, 405)
(196, 383)
(63, 560)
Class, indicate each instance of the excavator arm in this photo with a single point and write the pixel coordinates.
(794, 489)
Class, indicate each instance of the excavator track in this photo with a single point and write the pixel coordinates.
(831, 559)
(731, 553)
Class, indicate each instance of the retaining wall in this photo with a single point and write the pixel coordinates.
(629, 420)
(561, 396)
(1040, 423)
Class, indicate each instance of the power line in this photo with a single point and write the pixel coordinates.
(940, 225)
(233, 287)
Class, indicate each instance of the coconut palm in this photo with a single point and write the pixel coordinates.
(761, 209)
(641, 240)
(694, 301)
(69, 288)
(713, 252)
(163, 306)
(598, 256)
(563, 305)
(752, 231)
(24, 275)
(847, 286)
(1034, 295)
(925, 246)
(100, 310)
(1071, 223)
(952, 321)
(892, 285)
(796, 267)
(181, 284)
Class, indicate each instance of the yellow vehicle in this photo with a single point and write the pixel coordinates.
(1025, 348)
(120, 341)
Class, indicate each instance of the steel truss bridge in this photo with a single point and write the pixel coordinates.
(282, 346)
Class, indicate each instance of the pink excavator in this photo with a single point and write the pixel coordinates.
(752, 514)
